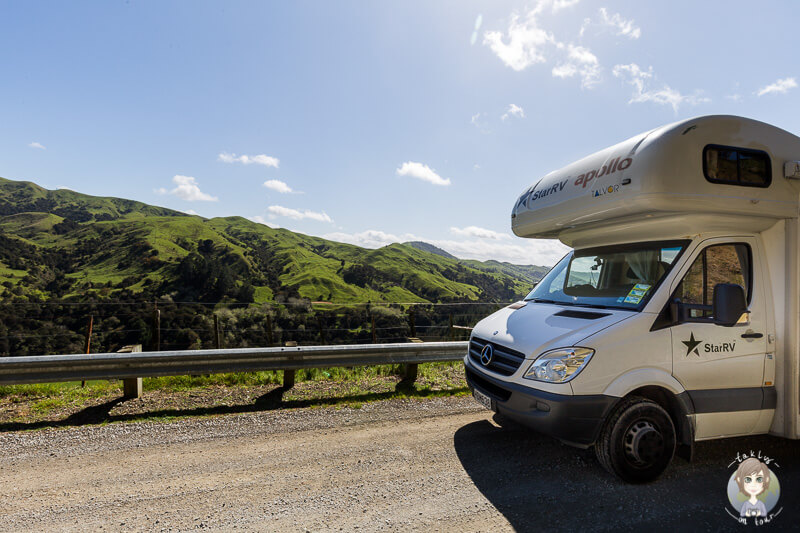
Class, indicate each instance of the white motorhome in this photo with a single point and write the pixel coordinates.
(676, 318)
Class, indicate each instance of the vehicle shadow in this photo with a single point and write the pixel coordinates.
(538, 483)
(274, 399)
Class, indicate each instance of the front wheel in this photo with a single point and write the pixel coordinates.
(637, 442)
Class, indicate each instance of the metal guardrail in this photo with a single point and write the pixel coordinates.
(134, 366)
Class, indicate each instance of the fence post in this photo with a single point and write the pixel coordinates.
(156, 327)
(321, 330)
(452, 332)
(374, 333)
(217, 342)
(131, 387)
(410, 370)
(269, 331)
(88, 344)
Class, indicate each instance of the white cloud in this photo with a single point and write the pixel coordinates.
(581, 61)
(192, 212)
(513, 110)
(64, 188)
(616, 23)
(261, 220)
(260, 159)
(521, 252)
(558, 5)
(187, 189)
(370, 239)
(524, 43)
(39, 146)
(633, 74)
(479, 120)
(524, 252)
(278, 186)
(280, 211)
(421, 172)
(564, 70)
(480, 233)
(781, 86)
(639, 79)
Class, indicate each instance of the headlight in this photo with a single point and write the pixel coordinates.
(559, 366)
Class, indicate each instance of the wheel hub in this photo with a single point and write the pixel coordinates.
(643, 442)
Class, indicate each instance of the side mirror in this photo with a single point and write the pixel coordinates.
(730, 303)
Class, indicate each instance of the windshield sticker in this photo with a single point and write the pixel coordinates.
(637, 293)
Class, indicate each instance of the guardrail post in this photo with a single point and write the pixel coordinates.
(131, 387)
(411, 369)
(288, 375)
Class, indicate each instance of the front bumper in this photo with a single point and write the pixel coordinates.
(573, 419)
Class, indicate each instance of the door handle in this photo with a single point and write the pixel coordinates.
(752, 335)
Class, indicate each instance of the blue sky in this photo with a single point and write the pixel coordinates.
(369, 122)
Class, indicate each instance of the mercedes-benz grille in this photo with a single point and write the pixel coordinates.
(504, 361)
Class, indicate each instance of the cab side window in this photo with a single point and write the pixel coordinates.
(720, 263)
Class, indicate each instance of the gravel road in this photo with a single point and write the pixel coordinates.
(421, 465)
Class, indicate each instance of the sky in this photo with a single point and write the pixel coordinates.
(369, 122)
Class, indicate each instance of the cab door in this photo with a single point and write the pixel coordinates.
(722, 368)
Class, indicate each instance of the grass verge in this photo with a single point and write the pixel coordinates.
(24, 407)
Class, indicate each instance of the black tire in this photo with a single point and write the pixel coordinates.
(637, 442)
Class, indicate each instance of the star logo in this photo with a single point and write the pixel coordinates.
(691, 345)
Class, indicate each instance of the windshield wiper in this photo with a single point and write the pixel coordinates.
(593, 306)
(545, 301)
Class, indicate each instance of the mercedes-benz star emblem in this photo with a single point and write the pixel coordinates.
(486, 355)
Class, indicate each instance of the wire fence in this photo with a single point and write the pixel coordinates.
(55, 327)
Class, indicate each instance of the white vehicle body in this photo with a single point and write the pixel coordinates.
(721, 192)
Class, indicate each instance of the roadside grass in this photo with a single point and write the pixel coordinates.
(167, 398)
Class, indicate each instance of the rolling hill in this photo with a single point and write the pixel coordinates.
(66, 245)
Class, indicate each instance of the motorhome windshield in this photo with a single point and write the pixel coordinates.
(621, 276)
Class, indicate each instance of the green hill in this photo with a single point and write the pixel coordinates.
(428, 247)
(66, 245)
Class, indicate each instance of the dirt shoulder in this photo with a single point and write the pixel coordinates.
(436, 464)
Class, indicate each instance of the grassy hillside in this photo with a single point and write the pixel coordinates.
(66, 257)
(427, 247)
(64, 244)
